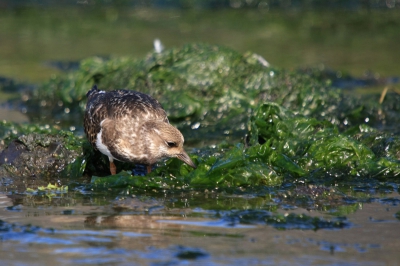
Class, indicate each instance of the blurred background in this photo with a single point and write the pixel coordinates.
(40, 38)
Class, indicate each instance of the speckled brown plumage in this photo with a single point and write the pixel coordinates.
(132, 127)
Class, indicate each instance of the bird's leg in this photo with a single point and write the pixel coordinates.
(149, 169)
(113, 168)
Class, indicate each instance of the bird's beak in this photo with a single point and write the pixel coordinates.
(186, 159)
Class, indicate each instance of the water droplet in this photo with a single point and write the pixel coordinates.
(25, 97)
(196, 125)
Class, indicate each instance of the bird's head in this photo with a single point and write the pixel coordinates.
(164, 140)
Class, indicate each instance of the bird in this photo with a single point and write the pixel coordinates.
(131, 126)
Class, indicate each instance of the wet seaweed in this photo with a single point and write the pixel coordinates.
(208, 91)
(299, 128)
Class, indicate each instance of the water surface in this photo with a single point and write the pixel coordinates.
(183, 230)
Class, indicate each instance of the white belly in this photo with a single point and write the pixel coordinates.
(103, 148)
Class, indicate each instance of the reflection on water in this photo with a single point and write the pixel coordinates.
(98, 231)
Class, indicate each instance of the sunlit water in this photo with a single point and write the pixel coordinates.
(66, 230)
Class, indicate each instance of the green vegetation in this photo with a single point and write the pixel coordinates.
(208, 91)
(283, 146)
(214, 93)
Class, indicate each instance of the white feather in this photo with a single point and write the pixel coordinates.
(103, 148)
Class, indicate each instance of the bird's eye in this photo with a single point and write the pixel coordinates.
(171, 144)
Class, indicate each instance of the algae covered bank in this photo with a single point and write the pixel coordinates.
(250, 125)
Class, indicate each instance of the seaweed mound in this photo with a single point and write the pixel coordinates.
(281, 147)
(208, 91)
(319, 149)
(299, 127)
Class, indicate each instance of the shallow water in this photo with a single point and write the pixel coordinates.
(347, 41)
(182, 230)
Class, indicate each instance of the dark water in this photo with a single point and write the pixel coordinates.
(181, 230)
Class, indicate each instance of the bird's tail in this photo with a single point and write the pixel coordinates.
(92, 91)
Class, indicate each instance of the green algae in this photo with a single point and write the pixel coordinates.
(48, 191)
(209, 91)
(317, 147)
(229, 170)
(381, 143)
(299, 128)
(282, 147)
(201, 86)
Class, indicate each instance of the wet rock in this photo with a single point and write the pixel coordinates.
(13, 151)
(38, 159)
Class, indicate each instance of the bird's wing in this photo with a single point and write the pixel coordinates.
(118, 104)
(135, 104)
(96, 111)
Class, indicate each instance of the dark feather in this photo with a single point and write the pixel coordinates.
(116, 104)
